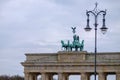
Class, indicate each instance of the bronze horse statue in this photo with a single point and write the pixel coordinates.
(74, 45)
(67, 46)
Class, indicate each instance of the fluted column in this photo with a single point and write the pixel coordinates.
(34, 76)
(30, 76)
(102, 76)
(43, 76)
(85, 76)
(65, 76)
(49, 76)
(62, 76)
(118, 76)
(26, 76)
(46, 76)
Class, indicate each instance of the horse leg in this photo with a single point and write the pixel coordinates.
(70, 48)
(76, 48)
(81, 48)
(66, 48)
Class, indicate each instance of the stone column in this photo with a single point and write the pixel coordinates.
(26, 76)
(49, 76)
(43, 76)
(66, 77)
(46, 76)
(101, 76)
(34, 76)
(85, 76)
(30, 76)
(62, 76)
(118, 76)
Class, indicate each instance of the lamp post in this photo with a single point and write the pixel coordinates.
(95, 12)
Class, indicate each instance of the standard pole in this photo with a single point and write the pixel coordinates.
(95, 73)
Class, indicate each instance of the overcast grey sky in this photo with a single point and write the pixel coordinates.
(37, 26)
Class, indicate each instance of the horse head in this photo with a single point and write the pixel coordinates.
(62, 42)
(82, 43)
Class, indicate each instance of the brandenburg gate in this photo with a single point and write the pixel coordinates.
(65, 63)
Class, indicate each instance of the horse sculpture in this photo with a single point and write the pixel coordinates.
(64, 45)
(67, 46)
(82, 45)
(74, 45)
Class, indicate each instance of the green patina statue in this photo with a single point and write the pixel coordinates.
(76, 44)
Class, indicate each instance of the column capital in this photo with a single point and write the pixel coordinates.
(26, 72)
(102, 73)
(42, 72)
(117, 72)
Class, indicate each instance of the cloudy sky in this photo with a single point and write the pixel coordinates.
(38, 26)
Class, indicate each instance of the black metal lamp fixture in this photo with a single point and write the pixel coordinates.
(87, 27)
(104, 28)
(95, 12)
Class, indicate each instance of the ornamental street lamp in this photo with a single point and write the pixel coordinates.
(95, 12)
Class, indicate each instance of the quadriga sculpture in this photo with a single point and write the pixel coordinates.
(76, 44)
